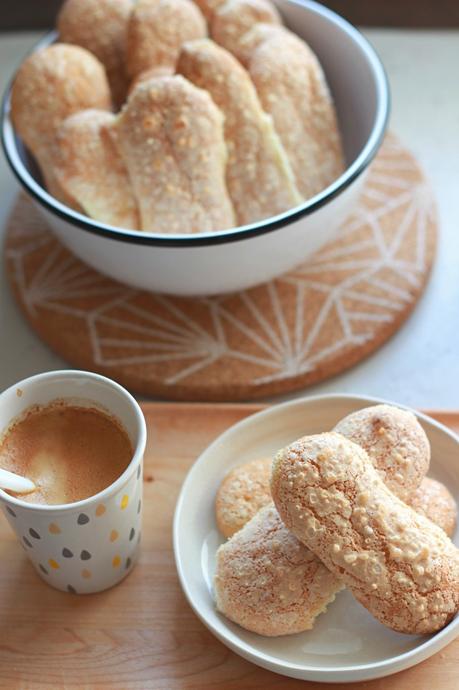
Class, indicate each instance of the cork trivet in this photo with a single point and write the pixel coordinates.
(304, 327)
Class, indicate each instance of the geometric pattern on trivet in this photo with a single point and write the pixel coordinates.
(311, 323)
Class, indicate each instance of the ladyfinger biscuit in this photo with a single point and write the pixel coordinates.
(170, 136)
(396, 443)
(89, 168)
(268, 582)
(246, 489)
(157, 29)
(234, 18)
(241, 494)
(242, 597)
(148, 74)
(250, 40)
(292, 88)
(258, 175)
(50, 85)
(209, 7)
(397, 563)
(433, 500)
(100, 26)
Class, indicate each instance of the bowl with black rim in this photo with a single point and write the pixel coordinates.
(237, 258)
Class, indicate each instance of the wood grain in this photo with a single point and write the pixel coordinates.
(142, 635)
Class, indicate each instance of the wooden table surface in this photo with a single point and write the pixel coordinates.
(142, 635)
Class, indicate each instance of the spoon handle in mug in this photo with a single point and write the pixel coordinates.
(14, 482)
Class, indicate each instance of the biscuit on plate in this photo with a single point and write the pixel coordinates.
(246, 489)
(433, 500)
(245, 570)
(268, 582)
(396, 443)
(241, 494)
(397, 563)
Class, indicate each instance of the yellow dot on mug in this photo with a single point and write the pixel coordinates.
(114, 535)
(54, 529)
(124, 501)
(53, 564)
(116, 561)
(86, 574)
(100, 510)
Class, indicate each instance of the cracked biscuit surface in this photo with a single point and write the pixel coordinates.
(397, 563)
(246, 489)
(241, 495)
(267, 561)
(268, 582)
(395, 442)
(433, 500)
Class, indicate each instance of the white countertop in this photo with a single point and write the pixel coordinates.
(420, 365)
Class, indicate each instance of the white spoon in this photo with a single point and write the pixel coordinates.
(14, 482)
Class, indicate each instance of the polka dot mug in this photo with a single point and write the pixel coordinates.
(93, 544)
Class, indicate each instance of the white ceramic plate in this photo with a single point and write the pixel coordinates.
(347, 644)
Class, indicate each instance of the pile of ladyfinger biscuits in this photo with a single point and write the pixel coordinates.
(348, 508)
(173, 116)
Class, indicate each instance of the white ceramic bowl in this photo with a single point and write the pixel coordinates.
(347, 644)
(212, 263)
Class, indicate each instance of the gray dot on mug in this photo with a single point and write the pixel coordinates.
(67, 553)
(11, 511)
(27, 542)
(85, 555)
(43, 569)
(128, 563)
(139, 507)
(71, 589)
(139, 469)
(33, 533)
(132, 534)
(82, 519)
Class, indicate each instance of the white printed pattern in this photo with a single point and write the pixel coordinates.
(146, 337)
